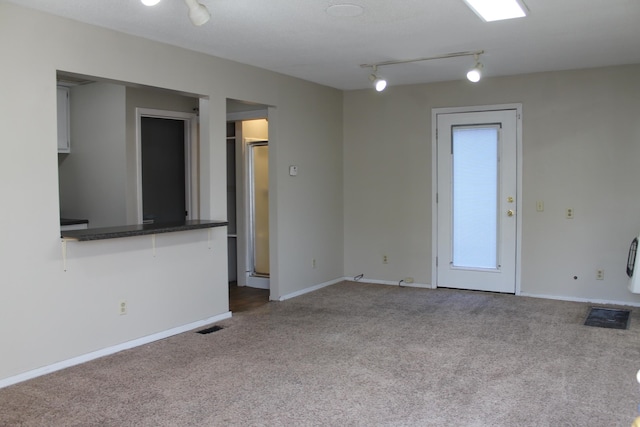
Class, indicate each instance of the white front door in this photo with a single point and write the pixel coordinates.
(477, 199)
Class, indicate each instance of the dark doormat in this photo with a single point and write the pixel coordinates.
(608, 318)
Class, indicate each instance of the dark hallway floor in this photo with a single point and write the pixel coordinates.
(243, 298)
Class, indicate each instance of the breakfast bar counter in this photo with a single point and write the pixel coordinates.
(138, 230)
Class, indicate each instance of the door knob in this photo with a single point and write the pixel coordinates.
(510, 212)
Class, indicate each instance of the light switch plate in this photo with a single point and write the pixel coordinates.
(293, 170)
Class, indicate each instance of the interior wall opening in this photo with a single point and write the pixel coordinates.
(248, 203)
(98, 158)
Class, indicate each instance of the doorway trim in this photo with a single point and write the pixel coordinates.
(190, 155)
(434, 182)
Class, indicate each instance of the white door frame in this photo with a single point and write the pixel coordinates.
(190, 155)
(252, 280)
(434, 182)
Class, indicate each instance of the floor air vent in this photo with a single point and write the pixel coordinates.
(210, 330)
(608, 318)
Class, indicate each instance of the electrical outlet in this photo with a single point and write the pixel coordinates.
(122, 307)
(313, 263)
(600, 274)
(408, 280)
(570, 213)
(385, 259)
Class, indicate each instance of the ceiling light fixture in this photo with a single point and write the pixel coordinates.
(497, 10)
(378, 81)
(475, 74)
(198, 13)
(345, 10)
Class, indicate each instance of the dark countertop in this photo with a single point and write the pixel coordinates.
(138, 230)
(69, 221)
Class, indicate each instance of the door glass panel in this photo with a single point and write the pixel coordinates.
(475, 197)
(260, 186)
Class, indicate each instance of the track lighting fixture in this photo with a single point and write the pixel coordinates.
(378, 83)
(198, 13)
(475, 74)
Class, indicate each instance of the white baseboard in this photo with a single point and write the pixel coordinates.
(350, 279)
(311, 289)
(110, 350)
(575, 299)
(390, 282)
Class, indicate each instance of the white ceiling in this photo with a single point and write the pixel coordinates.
(298, 38)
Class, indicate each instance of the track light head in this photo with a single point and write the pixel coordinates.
(475, 74)
(379, 83)
(198, 13)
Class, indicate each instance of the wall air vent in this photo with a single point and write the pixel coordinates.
(210, 330)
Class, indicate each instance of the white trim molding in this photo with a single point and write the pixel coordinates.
(311, 289)
(390, 283)
(110, 350)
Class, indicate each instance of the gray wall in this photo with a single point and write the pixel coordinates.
(581, 145)
(92, 177)
(52, 315)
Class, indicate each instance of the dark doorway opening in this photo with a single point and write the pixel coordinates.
(163, 170)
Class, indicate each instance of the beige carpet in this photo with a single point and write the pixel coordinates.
(358, 354)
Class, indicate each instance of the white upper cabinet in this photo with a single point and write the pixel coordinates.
(64, 143)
